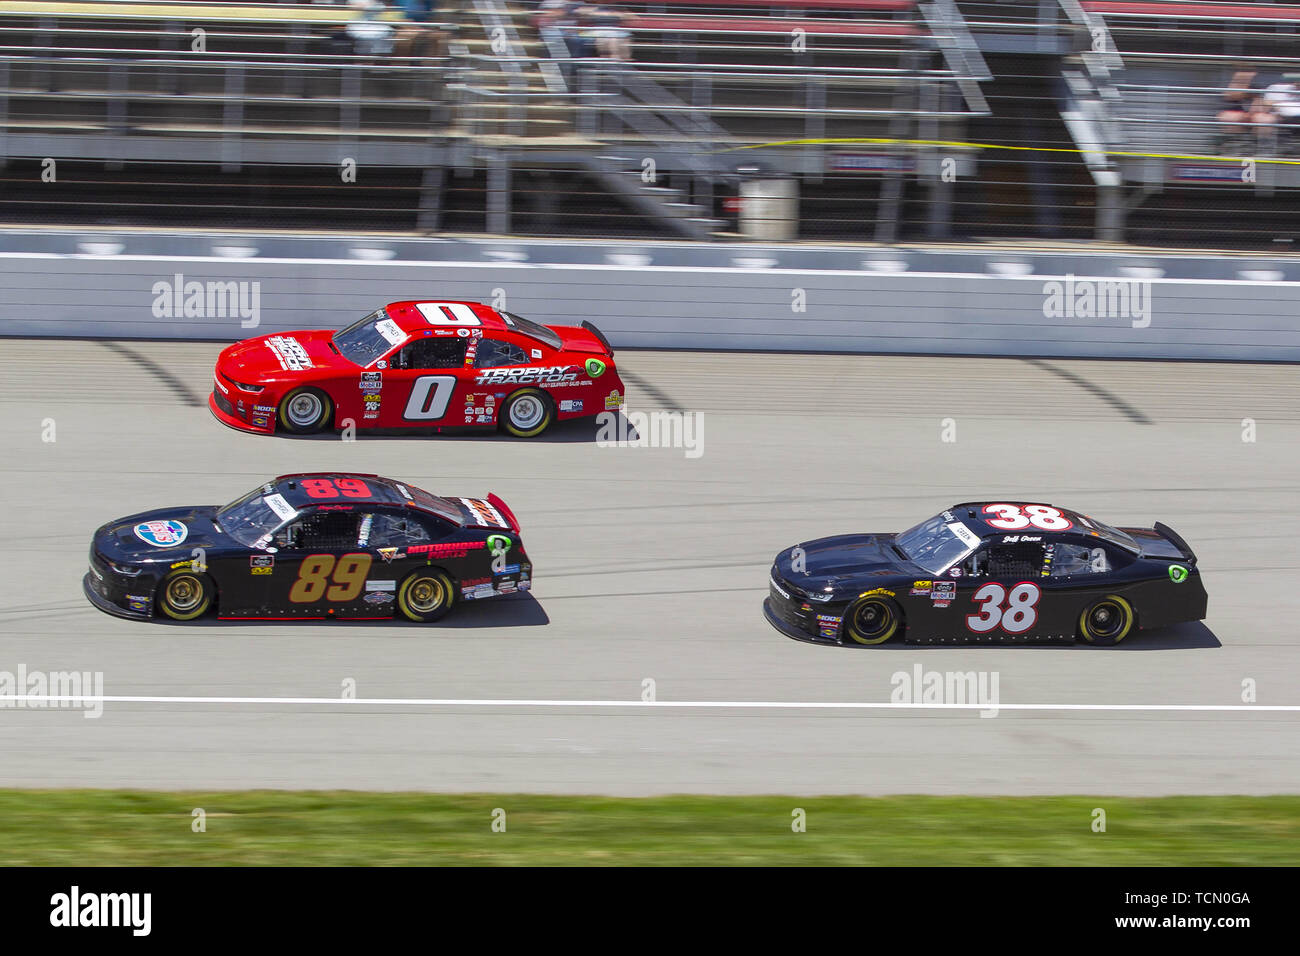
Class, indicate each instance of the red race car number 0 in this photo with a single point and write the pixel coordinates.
(1015, 611)
(1017, 518)
(448, 313)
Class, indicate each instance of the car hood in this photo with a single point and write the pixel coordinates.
(166, 534)
(284, 354)
(843, 563)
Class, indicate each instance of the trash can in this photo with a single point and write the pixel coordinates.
(769, 208)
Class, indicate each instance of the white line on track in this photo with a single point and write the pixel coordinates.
(650, 705)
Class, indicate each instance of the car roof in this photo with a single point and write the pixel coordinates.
(410, 315)
(380, 491)
(972, 514)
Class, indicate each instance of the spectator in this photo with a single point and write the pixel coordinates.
(1242, 103)
(1283, 99)
(606, 28)
(417, 37)
(371, 36)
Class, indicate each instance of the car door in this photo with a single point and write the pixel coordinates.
(422, 380)
(323, 563)
(1005, 592)
(480, 404)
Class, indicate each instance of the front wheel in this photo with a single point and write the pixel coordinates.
(527, 413)
(185, 595)
(305, 411)
(426, 595)
(1106, 622)
(872, 620)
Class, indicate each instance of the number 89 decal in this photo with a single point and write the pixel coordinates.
(1017, 616)
(315, 580)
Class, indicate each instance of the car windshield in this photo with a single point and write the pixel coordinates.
(938, 543)
(532, 329)
(252, 519)
(366, 339)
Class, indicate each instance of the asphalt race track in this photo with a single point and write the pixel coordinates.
(653, 565)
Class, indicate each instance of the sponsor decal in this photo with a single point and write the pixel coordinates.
(594, 367)
(405, 494)
(445, 549)
(883, 591)
(289, 353)
(828, 619)
(378, 597)
(261, 563)
(283, 510)
(542, 375)
(478, 591)
(943, 593)
(260, 421)
(138, 602)
(780, 590)
(499, 543)
(1177, 573)
(536, 353)
(963, 534)
(381, 585)
(571, 405)
(391, 331)
(613, 401)
(1020, 538)
(382, 363)
(389, 553)
(371, 381)
(508, 569)
(162, 534)
(224, 390)
(921, 588)
(483, 512)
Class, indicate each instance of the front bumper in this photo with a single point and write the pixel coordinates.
(226, 412)
(94, 593)
(790, 626)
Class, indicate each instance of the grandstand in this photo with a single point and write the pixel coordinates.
(876, 120)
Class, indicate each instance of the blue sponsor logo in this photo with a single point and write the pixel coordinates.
(162, 534)
(508, 569)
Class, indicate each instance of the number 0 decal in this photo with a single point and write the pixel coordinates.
(448, 313)
(1017, 518)
(1019, 614)
(430, 395)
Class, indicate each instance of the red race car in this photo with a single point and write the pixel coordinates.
(430, 365)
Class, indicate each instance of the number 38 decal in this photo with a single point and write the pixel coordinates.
(1015, 611)
(1017, 518)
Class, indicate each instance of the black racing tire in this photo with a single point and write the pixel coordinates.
(527, 413)
(426, 594)
(184, 595)
(1107, 621)
(873, 619)
(305, 411)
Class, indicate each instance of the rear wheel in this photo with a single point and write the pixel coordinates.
(426, 595)
(305, 410)
(527, 413)
(185, 595)
(872, 620)
(1106, 622)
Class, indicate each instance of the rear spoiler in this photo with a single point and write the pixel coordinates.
(506, 513)
(1178, 541)
(600, 335)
